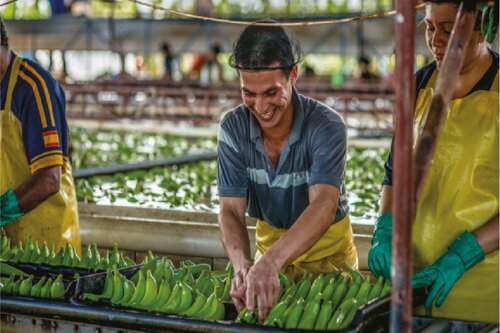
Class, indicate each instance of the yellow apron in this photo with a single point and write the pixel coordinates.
(328, 254)
(56, 219)
(461, 192)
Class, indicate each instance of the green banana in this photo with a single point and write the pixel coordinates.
(44, 253)
(16, 286)
(95, 258)
(353, 290)
(316, 288)
(36, 290)
(35, 253)
(362, 294)
(201, 281)
(304, 288)
(386, 289)
(240, 316)
(173, 301)
(226, 297)
(158, 272)
(188, 279)
(376, 289)
(9, 284)
(217, 284)
(332, 276)
(198, 303)
(117, 286)
(250, 317)
(328, 290)
(27, 251)
(180, 273)
(150, 292)
(186, 298)
(45, 291)
(57, 259)
(292, 291)
(324, 316)
(285, 280)
(6, 253)
(25, 286)
(217, 311)
(197, 269)
(311, 312)
(57, 288)
(8, 270)
(19, 253)
(206, 309)
(277, 311)
(115, 256)
(86, 258)
(355, 274)
(128, 290)
(342, 314)
(339, 292)
(140, 290)
(164, 292)
(293, 317)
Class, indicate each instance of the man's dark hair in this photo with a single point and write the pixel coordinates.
(261, 48)
(4, 40)
(165, 47)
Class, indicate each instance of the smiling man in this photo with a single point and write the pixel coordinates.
(282, 159)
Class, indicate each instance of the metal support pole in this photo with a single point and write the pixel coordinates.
(401, 300)
(454, 56)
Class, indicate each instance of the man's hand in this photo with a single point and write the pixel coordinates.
(262, 281)
(9, 208)
(380, 255)
(462, 254)
(238, 288)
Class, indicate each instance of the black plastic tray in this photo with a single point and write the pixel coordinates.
(42, 269)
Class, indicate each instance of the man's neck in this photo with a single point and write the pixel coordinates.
(5, 56)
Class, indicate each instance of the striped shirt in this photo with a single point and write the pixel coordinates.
(315, 154)
(39, 104)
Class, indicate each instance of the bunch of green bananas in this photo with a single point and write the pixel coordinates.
(32, 253)
(192, 290)
(45, 288)
(328, 302)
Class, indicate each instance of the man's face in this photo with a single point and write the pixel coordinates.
(268, 95)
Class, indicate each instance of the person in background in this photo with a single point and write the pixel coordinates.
(208, 61)
(37, 190)
(281, 158)
(168, 61)
(365, 74)
(456, 228)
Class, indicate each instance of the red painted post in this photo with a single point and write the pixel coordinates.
(403, 204)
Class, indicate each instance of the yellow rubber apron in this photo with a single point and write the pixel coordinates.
(56, 219)
(461, 192)
(328, 254)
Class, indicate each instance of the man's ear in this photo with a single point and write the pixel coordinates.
(294, 74)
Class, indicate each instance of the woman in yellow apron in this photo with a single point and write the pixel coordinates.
(37, 190)
(455, 232)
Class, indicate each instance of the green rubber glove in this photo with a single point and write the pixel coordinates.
(9, 208)
(380, 255)
(462, 254)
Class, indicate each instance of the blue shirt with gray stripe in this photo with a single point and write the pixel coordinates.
(315, 154)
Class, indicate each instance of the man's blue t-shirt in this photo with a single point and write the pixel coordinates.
(315, 154)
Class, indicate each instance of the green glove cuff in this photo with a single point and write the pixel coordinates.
(9, 208)
(384, 222)
(468, 249)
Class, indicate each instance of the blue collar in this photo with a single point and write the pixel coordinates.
(298, 120)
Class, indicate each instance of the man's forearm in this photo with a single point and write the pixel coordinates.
(487, 235)
(234, 237)
(305, 232)
(38, 188)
